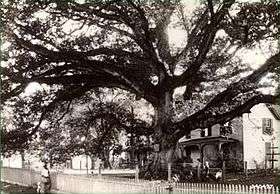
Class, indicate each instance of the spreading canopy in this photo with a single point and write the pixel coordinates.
(76, 46)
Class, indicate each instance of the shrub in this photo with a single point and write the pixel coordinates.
(234, 165)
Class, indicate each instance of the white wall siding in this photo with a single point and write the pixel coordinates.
(14, 161)
(276, 128)
(254, 139)
(80, 162)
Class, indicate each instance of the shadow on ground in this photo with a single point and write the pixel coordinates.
(7, 188)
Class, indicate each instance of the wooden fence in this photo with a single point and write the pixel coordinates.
(97, 184)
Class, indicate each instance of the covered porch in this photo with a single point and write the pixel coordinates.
(211, 149)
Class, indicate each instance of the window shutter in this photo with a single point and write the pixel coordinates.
(188, 135)
(267, 126)
(271, 126)
(264, 125)
(209, 131)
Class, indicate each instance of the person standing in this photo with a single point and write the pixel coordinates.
(45, 179)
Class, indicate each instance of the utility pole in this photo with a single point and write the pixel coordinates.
(273, 154)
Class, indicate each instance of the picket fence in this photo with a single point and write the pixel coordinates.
(96, 184)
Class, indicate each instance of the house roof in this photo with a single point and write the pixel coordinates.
(207, 140)
(274, 109)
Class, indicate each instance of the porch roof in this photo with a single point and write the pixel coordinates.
(207, 140)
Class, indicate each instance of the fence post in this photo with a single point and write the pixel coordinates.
(137, 173)
(246, 168)
(223, 171)
(99, 171)
(169, 171)
(32, 176)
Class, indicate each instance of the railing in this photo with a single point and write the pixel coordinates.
(97, 184)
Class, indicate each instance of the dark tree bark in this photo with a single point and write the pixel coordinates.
(106, 159)
(93, 159)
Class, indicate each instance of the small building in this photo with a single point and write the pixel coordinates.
(250, 140)
(22, 160)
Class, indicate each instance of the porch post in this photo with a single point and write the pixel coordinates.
(169, 171)
(223, 171)
(223, 162)
(220, 147)
(200, 165)
(220, 150)
(202, 154)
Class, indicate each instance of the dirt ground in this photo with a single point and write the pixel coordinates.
(7, 188)
(253, 179)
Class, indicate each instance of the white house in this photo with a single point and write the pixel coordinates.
(252, 139)
(261, 131)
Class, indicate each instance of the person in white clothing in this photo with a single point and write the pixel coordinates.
(219, 175)
(207, 169)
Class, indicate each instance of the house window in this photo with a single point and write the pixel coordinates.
(267, 126)
(206, 132)
(202, 133)
(188, 135)
(188, 157)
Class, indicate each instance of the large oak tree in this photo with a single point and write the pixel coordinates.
(76, 46)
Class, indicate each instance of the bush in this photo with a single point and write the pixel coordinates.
(234, 165)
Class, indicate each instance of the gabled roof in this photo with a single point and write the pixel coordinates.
(274, 109)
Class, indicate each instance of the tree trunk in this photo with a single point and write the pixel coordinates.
(157, 166)
(106, 159)
(22, 158)
(93, 159)
(165, 145)
(51, 161)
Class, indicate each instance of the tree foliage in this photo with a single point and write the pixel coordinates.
(92, 125)
(75, 47)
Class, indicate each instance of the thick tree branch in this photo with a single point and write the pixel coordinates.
(245, 84)
(203, 45)
(77, 55)
(210, 7)
(98, 69)
(6, 95)
(210, 114)
(203, 119)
